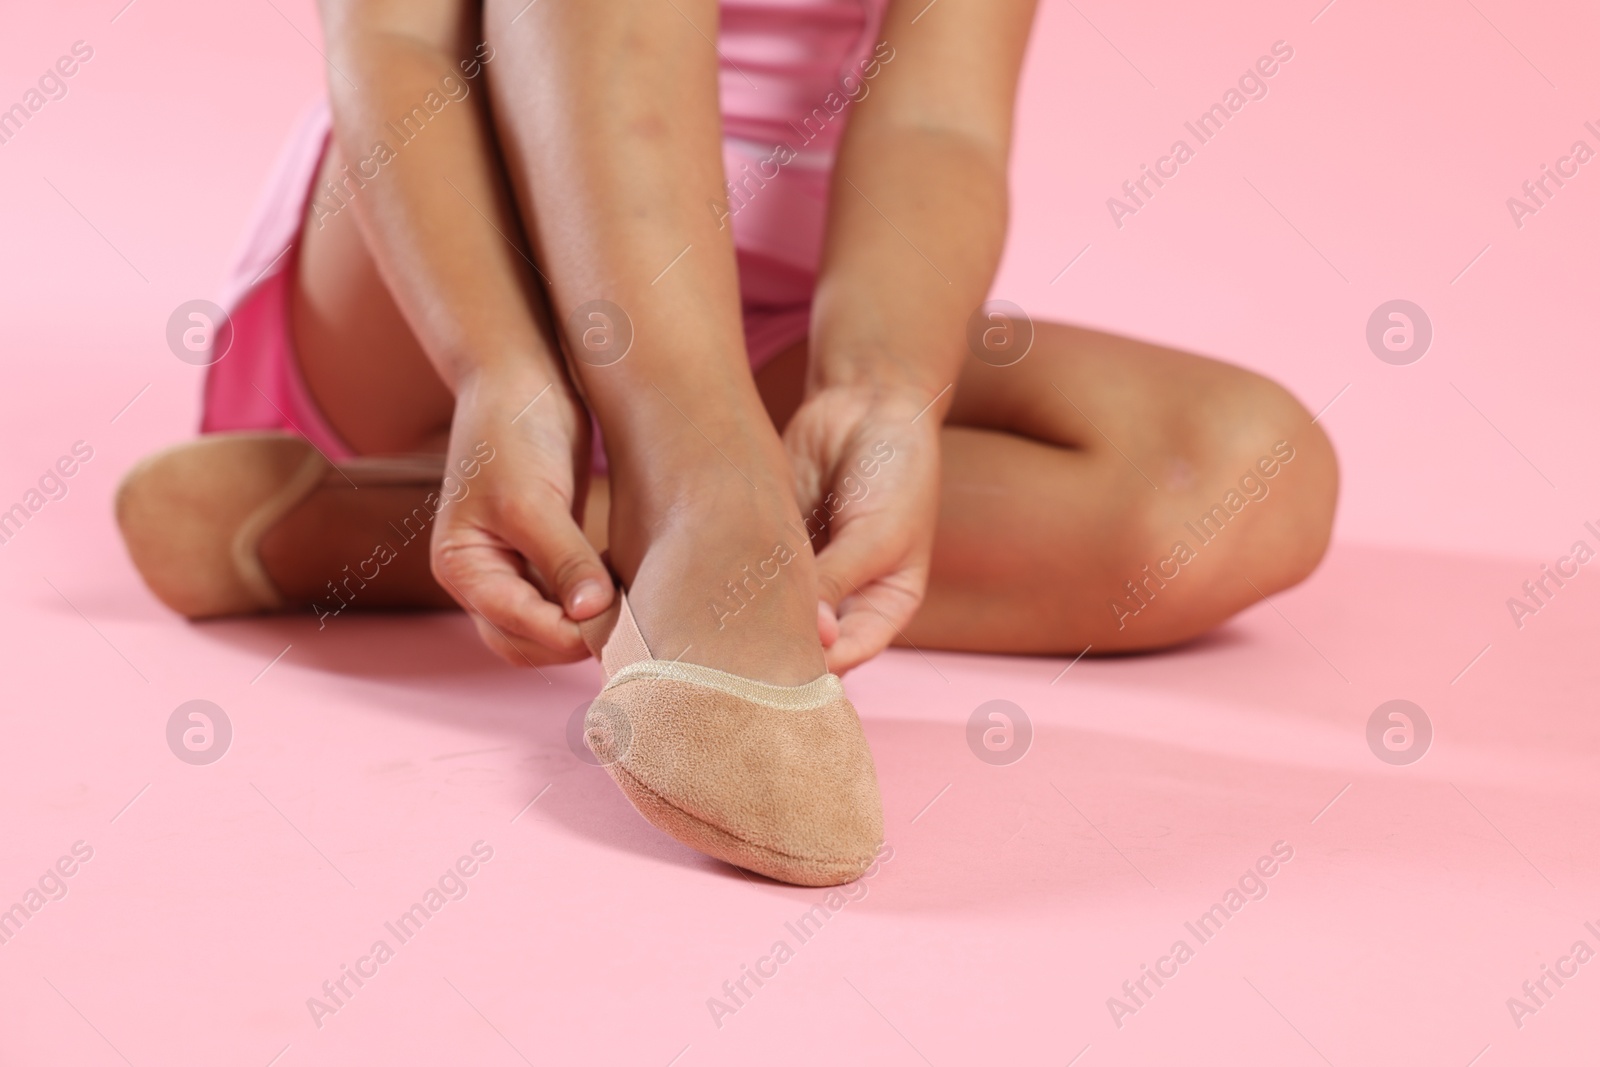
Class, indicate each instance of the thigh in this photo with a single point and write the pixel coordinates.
(361, 362)
(1115, 493)
(1094, 392)
(1069, 478)
(1165, 412)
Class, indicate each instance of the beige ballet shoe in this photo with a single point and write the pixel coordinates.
(192, 516)
(775, 779)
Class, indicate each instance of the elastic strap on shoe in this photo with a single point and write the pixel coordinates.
(814, 694)
(246, 546)
(613, 636)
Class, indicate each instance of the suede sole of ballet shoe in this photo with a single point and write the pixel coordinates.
(192, 516)
(719, 844)
(775, 779)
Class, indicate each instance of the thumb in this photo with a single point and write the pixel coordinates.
(568, 565)
(875, 586)
(852, 558)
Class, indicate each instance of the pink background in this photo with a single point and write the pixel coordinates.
(374, 753)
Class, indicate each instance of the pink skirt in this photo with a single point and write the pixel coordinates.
(258, 385)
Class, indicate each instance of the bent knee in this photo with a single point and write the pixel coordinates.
(1289, 538)
(1274, 472)
(1254, 516)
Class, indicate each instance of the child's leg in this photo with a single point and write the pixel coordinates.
(373, 384)
(1045, 517)
(375, 388)
(1047, 513)
(359, 358)
(608, 120)
(1048, 509)
(1060, 454)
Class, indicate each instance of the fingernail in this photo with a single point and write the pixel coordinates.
(588, 593)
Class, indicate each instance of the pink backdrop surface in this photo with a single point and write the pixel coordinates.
(368, 757)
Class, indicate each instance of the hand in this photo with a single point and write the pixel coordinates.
(867, 477)
(506, 544)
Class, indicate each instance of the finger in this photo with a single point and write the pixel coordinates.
(872, 616)
(516, 651)
(487, 581)
(862, 635)
(800, 444)
(868, 622)
(827, 624)
(854, 562)
(527, 630)
(856, 555)
(555, 546)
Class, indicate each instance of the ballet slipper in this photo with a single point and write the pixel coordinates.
(192, 516)
(774, 779)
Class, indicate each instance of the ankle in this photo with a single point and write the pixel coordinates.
(731, 586)
(680, 437)
(705, 507)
